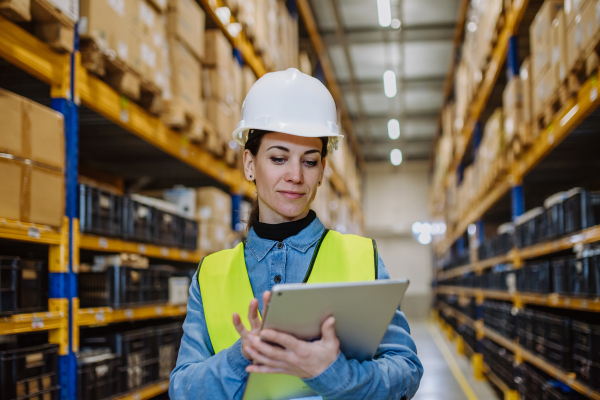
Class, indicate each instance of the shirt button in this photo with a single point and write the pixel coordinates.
(280, 245)
(277, 278)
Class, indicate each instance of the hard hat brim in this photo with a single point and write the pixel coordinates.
(240, 135)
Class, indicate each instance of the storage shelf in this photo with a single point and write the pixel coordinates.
(98, 243)
(586, 236)
(107, 315)
(27, 232)
(553, 300)
(148, 392)
(525, 355)
(35, 322)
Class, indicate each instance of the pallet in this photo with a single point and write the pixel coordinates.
(587, 64)
(44, 20)
(104, 62)
(553, 106)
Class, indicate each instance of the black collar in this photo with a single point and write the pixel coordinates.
(280, 232)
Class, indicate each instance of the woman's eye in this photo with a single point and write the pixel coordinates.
(312, 163)
(278, 160)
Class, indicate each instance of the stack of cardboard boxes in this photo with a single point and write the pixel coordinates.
(214, 216)
(32, 162)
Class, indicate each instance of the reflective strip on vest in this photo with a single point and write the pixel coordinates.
(225, 286)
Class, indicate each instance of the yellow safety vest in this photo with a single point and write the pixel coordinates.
(225, 285)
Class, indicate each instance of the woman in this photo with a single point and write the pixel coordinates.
(287, 129)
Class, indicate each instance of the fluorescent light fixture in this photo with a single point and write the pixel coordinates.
(396, 24)
(426, 228)
(234, 29)
(393, 129)
(396, 157)
(389, 83)
(224, 14)
(384, 9)
(472, 26)
(416, 228)
(233, 145)
(424, 238)
(472, 229)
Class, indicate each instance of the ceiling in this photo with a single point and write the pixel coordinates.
(419, 53)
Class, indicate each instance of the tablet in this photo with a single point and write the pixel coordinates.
(362, 310)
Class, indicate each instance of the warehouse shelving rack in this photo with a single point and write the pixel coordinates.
(567, 120)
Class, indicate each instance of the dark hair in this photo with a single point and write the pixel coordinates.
(253, 143)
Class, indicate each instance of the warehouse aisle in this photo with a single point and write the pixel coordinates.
(439, 382)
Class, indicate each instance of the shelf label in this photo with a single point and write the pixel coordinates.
(159, 310)
(129, 313)
(593, 94)
(184, 254)
(37, 323)
(142, 249)
(184, 152)
(164, 251)
(182, 309)
(100, 317)
(34, 233)
(103, 243)
(164, 386)
(136, 396)
(124, 116)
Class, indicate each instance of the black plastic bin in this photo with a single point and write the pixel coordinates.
(581, 210)
(168, 342)
(190, 233)
(159, 276)
(9, 275)
(139, 221)
(115, 287)
(560, 274)
(100, 212)
(97, 375)
(579, 276)
(33, 286)
(29, 373)
(555, 219)
(167, 229)
(586, 340)
(534, 277)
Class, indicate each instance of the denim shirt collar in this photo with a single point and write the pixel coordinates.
(260, 247)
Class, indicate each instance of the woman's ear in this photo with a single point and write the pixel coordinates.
(249, 165)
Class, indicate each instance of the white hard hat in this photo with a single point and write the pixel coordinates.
(289, 102)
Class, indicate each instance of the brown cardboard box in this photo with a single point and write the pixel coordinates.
(220, 115)
(186, 22)
(31, 193)
(218, 51)
(512, 103)
(526, 90)
(16, 10)
(238, 82)
(542, 90)
(591, 21)
(559, 48)
(160, 5)
(575, 40)
(214, 205)
(106, 22)
(572, 9)
(540, 36)
(185, 80)
(60, 37)
(213, 236)
(218, 85)
(249, 79)
(147, 33)
(31, 131)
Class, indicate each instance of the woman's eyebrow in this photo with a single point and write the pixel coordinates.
(279, 147)
(312, 151)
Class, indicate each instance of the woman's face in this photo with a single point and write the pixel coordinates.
(287, 169)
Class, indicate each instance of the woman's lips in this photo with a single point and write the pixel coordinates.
(291, 195)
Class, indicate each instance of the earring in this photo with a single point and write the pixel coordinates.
(250, 176)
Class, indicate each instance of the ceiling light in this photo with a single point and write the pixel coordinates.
(393, 129)
(416, 227)
(472, 229)
(396, 24)
(384, 10)
(426, 228)
(424, 238)
(389, 83)
(224, 14)
(396, 157)
(472, 26)
(234, 29)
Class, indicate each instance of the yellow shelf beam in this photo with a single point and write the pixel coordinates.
(98, 243)
(107, 315)
(478, 266)
(104, 100)
(554, 300)
(27, 232)
(148, 392)
(25, 323)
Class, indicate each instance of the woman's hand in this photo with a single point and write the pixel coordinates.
(295, 357)
(255, 324)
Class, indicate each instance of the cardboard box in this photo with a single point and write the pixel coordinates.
(238, 82)
(540, 36)
(249, 79)
(31, 193)
(218, 50)
(184, 198)
(186, 21)
(542, 90)
(160, 5)
(69, 8)
(572, 9)
(591, 21)
(512, 104)
(31, 130)
(214, 205)
(16, 10)
(213, 236)
(220, 115)
(218, 84)
(575, 40)
(559, 48)
(185, 84)
(526, 90)
(58, 36)
(179, 287)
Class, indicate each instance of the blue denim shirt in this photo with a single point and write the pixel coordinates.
(394, 373)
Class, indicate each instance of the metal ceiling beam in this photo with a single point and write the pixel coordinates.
(372, 85)
(311, 26)
(414, 33)
(341, 37)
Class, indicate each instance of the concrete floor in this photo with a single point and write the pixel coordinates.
(438, 380)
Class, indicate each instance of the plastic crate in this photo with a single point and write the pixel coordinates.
(586, 340)
(168, 342)
(581, 209)
(97, 375)
(167, 229)
(560, 274)
(595, 275)
(29, 373)
(579, 279)
(100, 212)
(501, 362)
(33, 287)
(138, 221)
(535, 278)
(190, 233)
(159, 276)
(115, 287)
(555, 219)
(557, 329)
(587, 371)
(9, 274)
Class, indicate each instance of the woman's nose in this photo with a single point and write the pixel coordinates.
(294, 174)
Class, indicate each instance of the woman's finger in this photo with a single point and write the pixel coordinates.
(328, 330)
(270, 351)
(237, 322)
(253, 315)
(260, 358)
(286, 341)
(266, 298)
(263, 369)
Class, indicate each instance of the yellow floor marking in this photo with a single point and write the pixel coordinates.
(452, 364)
